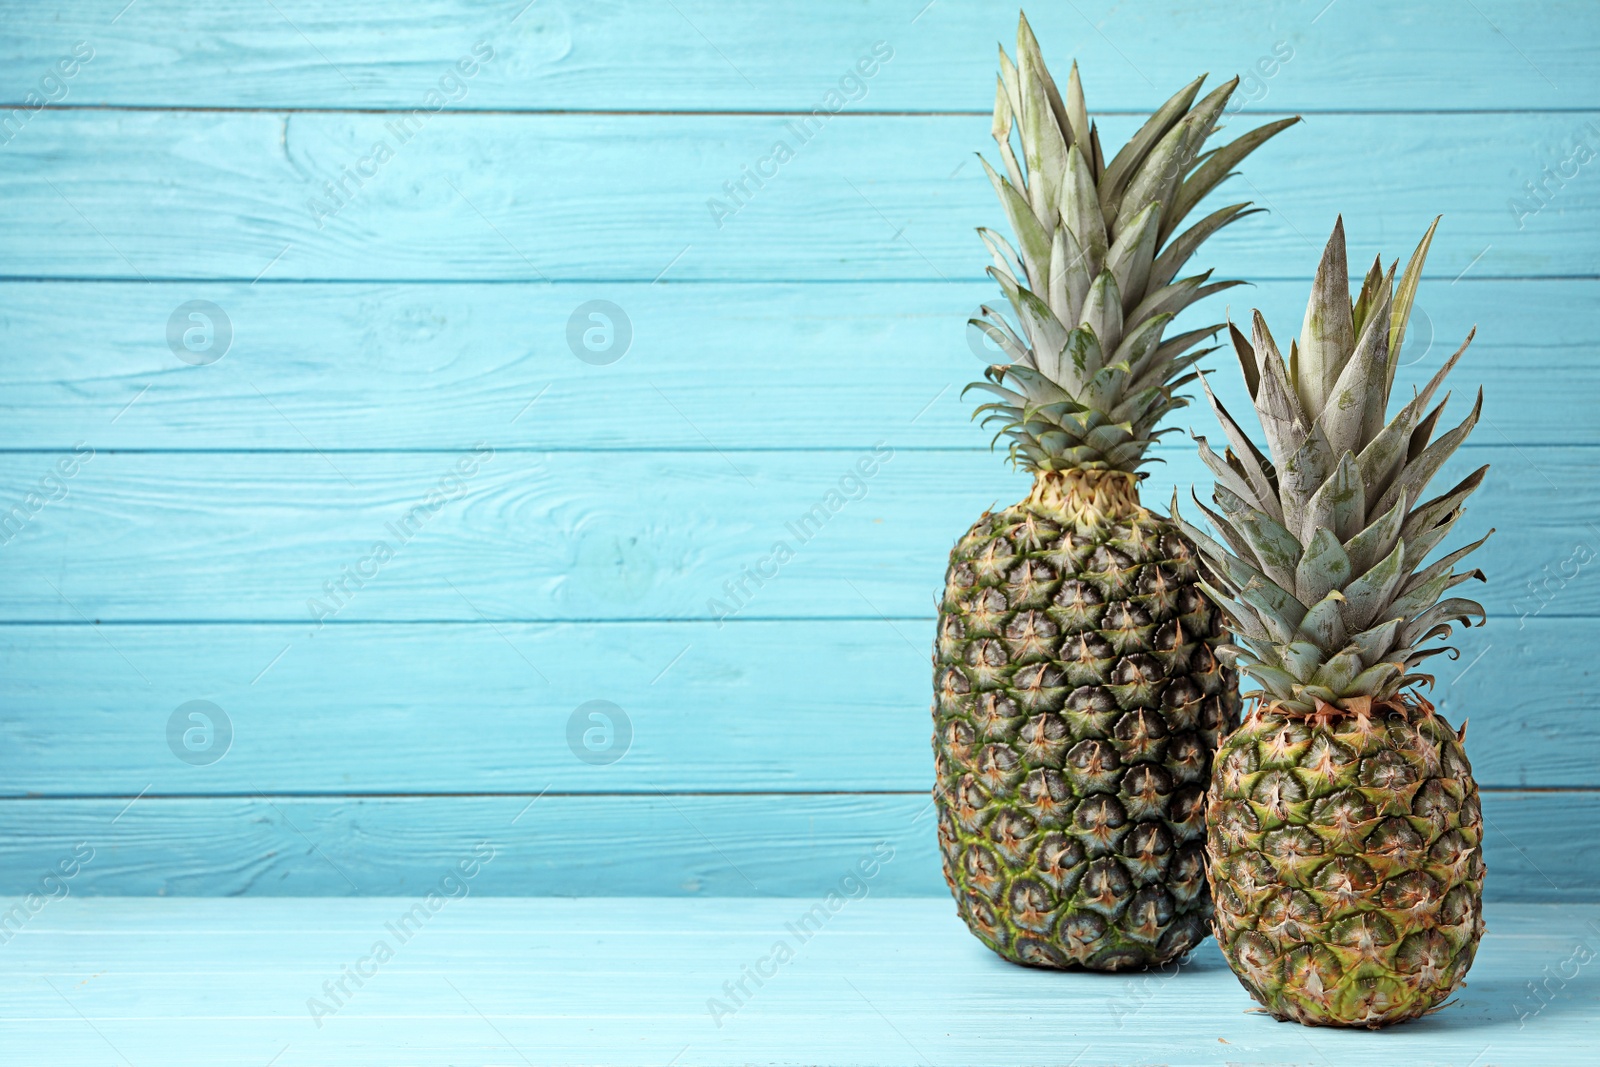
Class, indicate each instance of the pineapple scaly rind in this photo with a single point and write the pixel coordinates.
(1078, 694)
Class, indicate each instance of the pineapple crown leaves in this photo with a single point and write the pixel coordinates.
(1092, 281)
(1320, 566)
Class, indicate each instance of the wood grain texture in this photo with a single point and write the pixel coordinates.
(463, 708)
(626, 198)
(378, 334)
(227, 982)
(700, 55)
(754, 365)
(627, 535)
(563, 845)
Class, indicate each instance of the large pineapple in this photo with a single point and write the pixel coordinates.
(1344, 826)
(1077, 697)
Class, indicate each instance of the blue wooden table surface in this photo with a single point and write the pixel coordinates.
(388, 982)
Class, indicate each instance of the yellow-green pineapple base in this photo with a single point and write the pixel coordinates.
(1078, 704)
(1346, 865)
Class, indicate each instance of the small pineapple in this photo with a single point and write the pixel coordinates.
(1078, 700)
(1344, 826)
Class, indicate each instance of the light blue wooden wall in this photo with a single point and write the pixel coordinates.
(374, 346)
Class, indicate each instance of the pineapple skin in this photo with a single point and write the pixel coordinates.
(1346, 864)
(1078, 704)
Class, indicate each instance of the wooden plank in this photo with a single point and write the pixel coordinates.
(696, 54)
(628, 535)
(880, 981)
(242, 195)
(763, 365)
(641, 845)
(380, 709)
(75, 931)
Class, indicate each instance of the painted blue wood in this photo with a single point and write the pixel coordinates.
(231, 983)
(242, 195)
(751, 364)
(823, 317)
(569, 536)
(708, 56)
